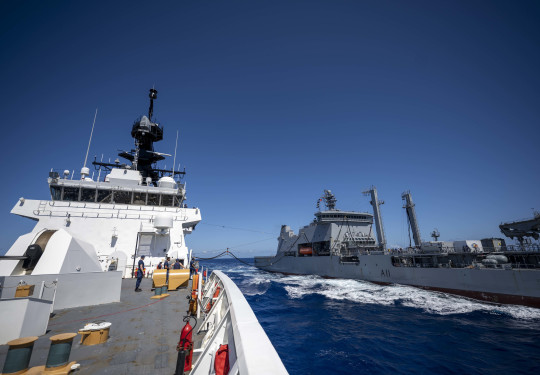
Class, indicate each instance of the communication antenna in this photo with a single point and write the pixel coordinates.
(152, 96)
(85, 171)
(329, 200)
(99, 173)
(175, 146)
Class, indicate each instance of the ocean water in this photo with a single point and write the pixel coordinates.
(330, 326)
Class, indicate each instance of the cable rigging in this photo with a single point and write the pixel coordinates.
(236, 228)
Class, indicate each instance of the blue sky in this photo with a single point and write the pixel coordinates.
(277, 100)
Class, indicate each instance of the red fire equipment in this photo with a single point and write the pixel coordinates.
(185, 347)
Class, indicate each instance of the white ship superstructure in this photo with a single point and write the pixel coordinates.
(107, 224)
(89, 235)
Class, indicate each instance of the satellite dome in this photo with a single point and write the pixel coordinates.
(163, 220)
(85, 171)
(167, 182)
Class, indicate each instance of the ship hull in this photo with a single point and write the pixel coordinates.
(506, 286)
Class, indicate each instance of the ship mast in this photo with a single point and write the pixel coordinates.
(375, 203)
(411, 216)
(329, 200)
(143, 158)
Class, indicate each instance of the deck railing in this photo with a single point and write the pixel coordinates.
(230, 321)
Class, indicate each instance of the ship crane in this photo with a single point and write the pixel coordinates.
(411, 217)
(375, 203)
(522, 228)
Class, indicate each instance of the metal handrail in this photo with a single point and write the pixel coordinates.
(254, 353)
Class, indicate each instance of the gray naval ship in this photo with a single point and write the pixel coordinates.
(341, 244)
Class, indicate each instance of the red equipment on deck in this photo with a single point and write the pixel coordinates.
(186, 344)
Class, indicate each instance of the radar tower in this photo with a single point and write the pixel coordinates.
(143, 158)
(329, 200)
(435, 234)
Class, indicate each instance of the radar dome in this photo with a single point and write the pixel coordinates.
(85, 171)
(167, 182)
(163, 220)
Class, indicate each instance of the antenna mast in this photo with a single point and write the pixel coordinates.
(152, 95)
(435, 234)
(90, 140)
(85, 171)
(329, 200)
(175, 146)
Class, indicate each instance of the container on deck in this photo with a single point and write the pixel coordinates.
(24, 291)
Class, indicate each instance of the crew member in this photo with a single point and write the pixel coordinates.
(167, 266)
(177, 265)
(140, 274)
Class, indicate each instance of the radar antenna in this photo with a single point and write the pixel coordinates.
(152, 96)
(329, 200)
(435, 234)
(144, 158)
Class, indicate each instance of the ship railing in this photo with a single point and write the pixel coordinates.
(370, 251)
(100, 215)
(427, 261)
(114, 206)
(525, 265)
(128, 211)
(230, 321)
(533, 247)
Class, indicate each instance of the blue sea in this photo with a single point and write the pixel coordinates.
(331, 326)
